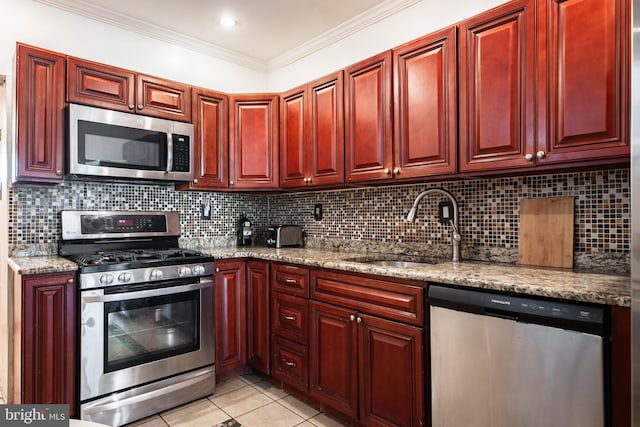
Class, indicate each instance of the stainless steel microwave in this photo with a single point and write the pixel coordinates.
(106, 143)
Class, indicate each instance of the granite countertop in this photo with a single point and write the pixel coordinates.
(606, 289)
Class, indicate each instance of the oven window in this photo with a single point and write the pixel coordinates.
(123, 147)
(147, 329)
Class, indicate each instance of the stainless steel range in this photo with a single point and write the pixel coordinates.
(146, 314)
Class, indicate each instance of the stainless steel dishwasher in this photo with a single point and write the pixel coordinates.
(506, 361)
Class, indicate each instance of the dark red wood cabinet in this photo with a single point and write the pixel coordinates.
(368, 119)
(253, 142)
(230, 316)
(115, 88)
(48, 339)
(258, 318)
(211, 140)
(312, 134)
(40, 103)
(426, 106)
(583, 81)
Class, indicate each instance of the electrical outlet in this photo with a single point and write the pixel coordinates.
(205, 210)
(317, 211)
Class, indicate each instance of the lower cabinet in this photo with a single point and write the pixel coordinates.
(230, 312)
(258, 326)
(367, 367)
(48, 339)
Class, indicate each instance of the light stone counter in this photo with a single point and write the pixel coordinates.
(606, 289)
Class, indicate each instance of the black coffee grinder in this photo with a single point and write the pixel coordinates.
(244, 231)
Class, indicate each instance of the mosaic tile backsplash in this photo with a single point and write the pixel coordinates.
(371, 218)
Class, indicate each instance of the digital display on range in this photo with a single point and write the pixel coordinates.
(92, 224)
(125, 222)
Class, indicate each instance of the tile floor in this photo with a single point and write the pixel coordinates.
(247, 401)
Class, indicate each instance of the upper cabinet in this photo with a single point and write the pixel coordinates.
(253, 142)
(312, 134)
(368, 119)
(497, 88)
(104, 86)
(40, 133)
(211, 140)
(425, 106)
(546, 96)
(583, 81)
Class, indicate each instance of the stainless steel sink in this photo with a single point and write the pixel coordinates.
(395, 261)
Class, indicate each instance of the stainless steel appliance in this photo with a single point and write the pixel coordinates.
(114, 144)
(279, 236)
(503, 361)
(146, 314)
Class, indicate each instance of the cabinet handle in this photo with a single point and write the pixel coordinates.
(70, 280)
(359, 319)
(291, 281)
(396, 171)
(352, 317)
(387, 171)
(541, 154)
(140, 106)
(131, 106)
(528, 157)
(290, 318)
(217, 270)
(59, 172)
(231, 182)
(195, 181)
(288, 362)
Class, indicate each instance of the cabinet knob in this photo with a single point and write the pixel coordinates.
(131, 106)
(528, 157)
(59, 172)
(70, 280)
(195, 181)
(231, 182)
(217, 270)
(396, 171)
(140, 106)
(359, 319)
(387, 171)
(352, 317)
(541, 154)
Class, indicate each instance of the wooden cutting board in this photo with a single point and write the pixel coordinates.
(546, 232)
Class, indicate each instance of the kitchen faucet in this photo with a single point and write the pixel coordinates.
(455, 235)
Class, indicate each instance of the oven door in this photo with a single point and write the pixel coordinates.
(131, 337)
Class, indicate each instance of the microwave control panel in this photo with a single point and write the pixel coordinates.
(181, 153)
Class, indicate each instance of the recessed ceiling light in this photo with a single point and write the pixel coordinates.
(228, 21)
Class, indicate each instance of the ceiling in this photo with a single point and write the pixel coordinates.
(268, 33)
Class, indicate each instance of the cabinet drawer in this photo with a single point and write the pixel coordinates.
(290, 280)
(290, 362)
(393, 299)
(290, 317)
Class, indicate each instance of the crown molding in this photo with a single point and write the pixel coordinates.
(370, 17)
(83, 8)
(342, 31)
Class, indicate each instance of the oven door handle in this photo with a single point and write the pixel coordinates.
(205, 283)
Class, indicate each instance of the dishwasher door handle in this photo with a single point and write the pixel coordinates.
(502, 314)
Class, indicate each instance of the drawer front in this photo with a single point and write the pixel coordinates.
(290, 317)
(290, 362)
(402, 301)
(290, 280)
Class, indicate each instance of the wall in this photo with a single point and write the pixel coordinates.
(51, 28)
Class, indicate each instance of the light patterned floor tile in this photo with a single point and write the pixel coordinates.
(299, 407)
(229, 385)
(270, 390)
(271, 415)
(251, 378)
(241, 401)
(321, 420)
(305, 424)
(201, 413)
(154, 421)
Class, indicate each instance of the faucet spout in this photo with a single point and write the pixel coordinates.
(456, 237)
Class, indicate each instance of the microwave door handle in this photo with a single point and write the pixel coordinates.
(169, 152)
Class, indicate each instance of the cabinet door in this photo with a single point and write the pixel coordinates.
(425, 106)
(163, 98)
(584, 80)
(258, 326)
(48, 342)
(325, 131)
(211, 140)
(41, 117)
(368, 121)
(497, 78)
(292, 139)
(333, 357)
(253, 142)
(100, 85)
(391, 373)
(230, 309)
